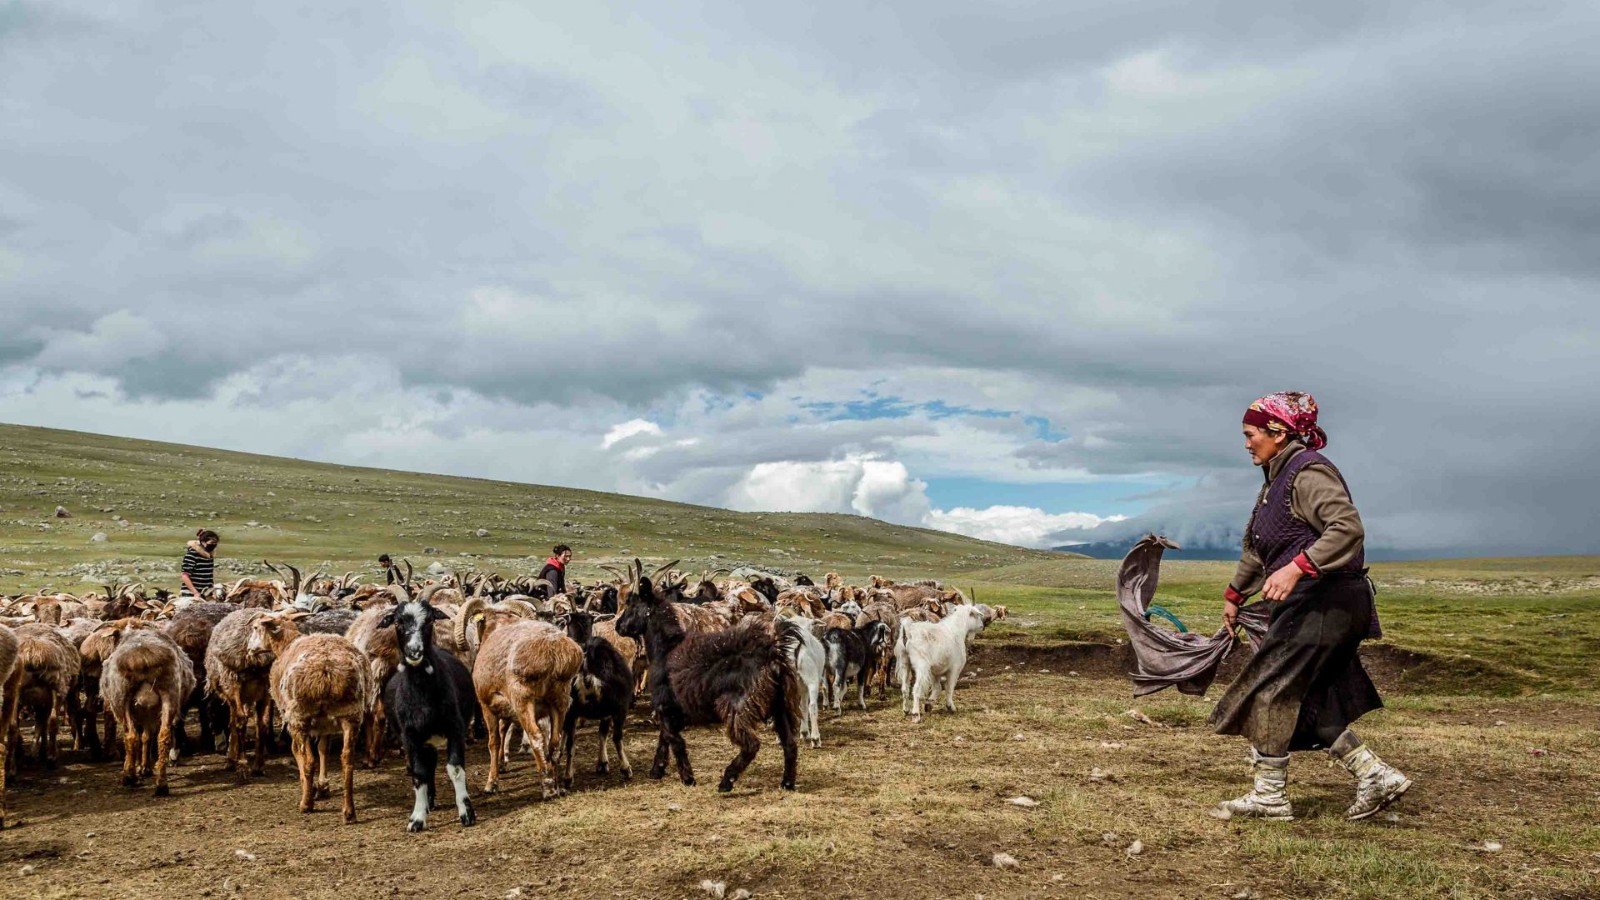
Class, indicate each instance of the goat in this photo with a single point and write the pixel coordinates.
(847, 659)
(926, 654)
(145, 682)
(602, 692)
(238, 669)
(10, 680)
(93, 651)
(190, 628)
(810, 667)
(320, 682)
(742, 676)
(49, 665)
(431, 695)
(523, 675)
(383, 655)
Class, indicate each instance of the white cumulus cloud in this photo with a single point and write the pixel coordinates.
(1024, 526)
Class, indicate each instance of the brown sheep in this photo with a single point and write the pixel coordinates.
(320, 682)
(145, 682)
(49, 667)
(10, 679)
(523, 675)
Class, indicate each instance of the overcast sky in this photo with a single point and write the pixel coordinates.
(1009, 269)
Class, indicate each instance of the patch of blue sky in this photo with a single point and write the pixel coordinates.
(1042, 430)
(1126, 497)
(891, 407)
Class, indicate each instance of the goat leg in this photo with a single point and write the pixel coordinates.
(300, 747)
(258, 764)
(658, 769)
(745, 739)
(164, 743)
(130, 750)
(323, 745)
(456, 767)
(616, 739)
(492, 783)
(347, 767)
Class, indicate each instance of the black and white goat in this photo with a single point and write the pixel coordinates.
(429, 696)
(602, 692)
(741, 676)
(847, 659)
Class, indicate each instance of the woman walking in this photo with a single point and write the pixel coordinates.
(1303, 550)
(198, 571)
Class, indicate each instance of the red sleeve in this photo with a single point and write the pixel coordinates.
(1233, 596)
(1305, 565)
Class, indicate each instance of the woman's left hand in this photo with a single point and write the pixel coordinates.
(1281, 582)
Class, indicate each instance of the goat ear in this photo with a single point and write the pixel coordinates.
(387, 621)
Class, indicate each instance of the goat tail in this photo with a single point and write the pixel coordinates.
(788, 699)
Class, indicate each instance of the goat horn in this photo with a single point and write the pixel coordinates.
(295, 587)
(409, 570)
(463, 616)
(664, 568)
(399, 593)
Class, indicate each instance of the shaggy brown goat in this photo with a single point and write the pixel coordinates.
(10, 678)
(320, 682)
(93, 651)
(190, 628)
(238, 673)
(146, 680)
(524, 674)
(49, 667)
(743, 676)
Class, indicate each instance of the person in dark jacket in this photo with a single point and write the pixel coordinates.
(555, 569)
(1305, 686)
(391, 572)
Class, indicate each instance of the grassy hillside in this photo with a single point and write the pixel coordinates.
(149, 497)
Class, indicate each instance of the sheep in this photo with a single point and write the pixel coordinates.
(523, 675)
(49, 665)
(431, 695)
(238, 670)
(10, 681)
(927, 653)
(602, 692)
(145, 682)
(847, 659)
(319, 682)
(742, 676)
(190, 628)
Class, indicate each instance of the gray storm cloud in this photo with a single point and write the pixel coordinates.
(459, 226)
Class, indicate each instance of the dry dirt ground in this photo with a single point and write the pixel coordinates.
(885, 809)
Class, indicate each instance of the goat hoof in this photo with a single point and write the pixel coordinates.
(321, 791)
(161, 790)
(130, 781)
(350, 817)
(627, 774)
(787, 785)
(469, 818)
(688, 781)
(415, 825)
(230, 765)
(658, 772)
(601, 768)
(724, 786)
(308, 807)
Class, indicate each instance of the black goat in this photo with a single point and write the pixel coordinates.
(804, 581)
(429, 696)
(602, 692)
(742, 676)
(847, 659)
(875, 638)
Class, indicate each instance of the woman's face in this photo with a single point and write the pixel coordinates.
(1262, 444)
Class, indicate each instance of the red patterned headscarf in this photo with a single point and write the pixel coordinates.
(1289, 411)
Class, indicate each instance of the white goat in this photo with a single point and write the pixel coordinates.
(810, 661)
(927, 653)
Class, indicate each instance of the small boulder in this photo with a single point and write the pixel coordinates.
(99, 537)
(61, 513)
(1004, 861)
(482, 532)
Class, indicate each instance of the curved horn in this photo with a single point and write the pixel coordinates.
(275, 570)
(468, 609)
(398, 593)
(295, 587)
(428, 592)
(549, 589)
(658, 571)
(409, 570)
(345, 582)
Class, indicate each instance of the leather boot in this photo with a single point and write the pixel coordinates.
(1378, 784)
(1270, 798)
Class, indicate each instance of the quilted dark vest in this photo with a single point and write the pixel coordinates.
(1275, 534)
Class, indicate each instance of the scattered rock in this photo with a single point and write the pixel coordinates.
(1019, 737)
(482, 532)
(740, 894)
(99, 537)
(245, 855)
(1099, 775)
(1112, 745)
(674, 807)
(1492, 847)
(430, 551)
(1023, 801)
(1245, 894)
(27, 870)
(714, 888)
(1539, 751)
(1392, 817)
(252, 524)
(1110, 838)
(61, 513)
(1004, 861)
(1135, 848)
(514, 894)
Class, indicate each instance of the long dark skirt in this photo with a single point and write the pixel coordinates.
(1306, 684)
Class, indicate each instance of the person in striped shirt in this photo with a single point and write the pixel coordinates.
(199, 564)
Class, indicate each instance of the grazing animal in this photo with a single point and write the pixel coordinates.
(240, 676)
(429, 696)
(811, 666)
(145, 682)
(930, 653)
(190, 628)
(741, 676)
(48, 664)
(320, 683)
(847, 660)
(602, 692)
(523, 675)
(10, 678)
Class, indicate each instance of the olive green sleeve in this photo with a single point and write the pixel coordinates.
(1248, 577)
(1321, 501)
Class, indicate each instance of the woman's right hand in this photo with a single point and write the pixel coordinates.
(1230, 614)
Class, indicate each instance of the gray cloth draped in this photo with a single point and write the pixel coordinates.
(1164, 658)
